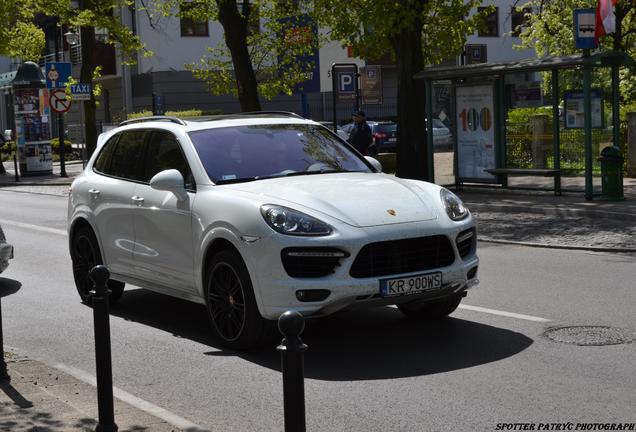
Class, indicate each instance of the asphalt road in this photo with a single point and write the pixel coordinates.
(365, 371)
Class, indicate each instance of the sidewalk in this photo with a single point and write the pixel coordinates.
(39, 398)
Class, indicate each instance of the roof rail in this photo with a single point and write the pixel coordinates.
(285, 113)
(153, 118)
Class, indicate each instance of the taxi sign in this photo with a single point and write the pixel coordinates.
(81, 91)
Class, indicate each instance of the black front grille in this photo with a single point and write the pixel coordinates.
(311, 262)
(403, 256)
(465, 242)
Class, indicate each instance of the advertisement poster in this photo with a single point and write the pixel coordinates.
(26, 101)
(33, 130)
(371, 83)
(475, 132)
(575, 111)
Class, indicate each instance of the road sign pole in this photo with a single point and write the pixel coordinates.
(60, 116)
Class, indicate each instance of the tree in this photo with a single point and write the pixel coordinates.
(19, 37)
(265, 51)
(550, 31)
(417, 33)
(87, 16)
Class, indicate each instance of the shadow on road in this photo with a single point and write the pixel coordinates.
(9, 286)
(369, 344)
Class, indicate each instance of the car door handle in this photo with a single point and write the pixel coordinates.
(94, 193)
(137, 200)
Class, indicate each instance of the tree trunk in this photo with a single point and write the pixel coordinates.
(235, 29)
(86, 76)
(411, 131)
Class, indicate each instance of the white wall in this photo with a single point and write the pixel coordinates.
(171, 50)
(500, 48)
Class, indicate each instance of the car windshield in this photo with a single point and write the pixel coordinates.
(245, 153)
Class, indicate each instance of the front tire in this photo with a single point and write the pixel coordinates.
(85, 255)
(230, 302)
(431, 311)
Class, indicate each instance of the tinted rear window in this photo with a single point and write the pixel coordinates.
(128, 155)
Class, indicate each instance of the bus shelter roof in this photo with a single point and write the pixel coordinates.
(604, 59)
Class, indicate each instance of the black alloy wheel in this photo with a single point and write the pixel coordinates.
(85, 255)
(230, 302)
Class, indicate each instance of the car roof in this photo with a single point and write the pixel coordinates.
(176, 124)
(224, 120)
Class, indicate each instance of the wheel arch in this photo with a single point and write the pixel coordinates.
(217, 245)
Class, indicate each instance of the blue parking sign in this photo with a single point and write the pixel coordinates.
(57, 74)
(346, 82)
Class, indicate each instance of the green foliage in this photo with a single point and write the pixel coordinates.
(193, 112)
(550, 33)
(273, 57)
(19, 37)
(55, 146)
(371, 27)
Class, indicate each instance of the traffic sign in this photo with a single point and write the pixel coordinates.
(346, 83)
(585, 28)
(58, 101)
(57, 74)
(81, 91)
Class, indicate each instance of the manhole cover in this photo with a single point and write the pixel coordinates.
(590, 335)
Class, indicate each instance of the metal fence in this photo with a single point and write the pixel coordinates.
(525, 149)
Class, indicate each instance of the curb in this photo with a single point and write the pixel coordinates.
(557, 246)
(550, 211)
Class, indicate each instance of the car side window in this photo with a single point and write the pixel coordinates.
(102, 164)
(128, 154)
(164, 152)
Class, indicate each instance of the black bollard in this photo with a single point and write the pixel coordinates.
(291, 325)
(106, 422)
(4, 375)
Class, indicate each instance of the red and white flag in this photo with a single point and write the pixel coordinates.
(605, 17)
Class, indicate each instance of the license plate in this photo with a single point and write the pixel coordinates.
(392, 139)
(410, 285)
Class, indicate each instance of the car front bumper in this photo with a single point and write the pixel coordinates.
(276, 290)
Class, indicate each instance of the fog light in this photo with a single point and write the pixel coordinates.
(472, 273)
(312, 295)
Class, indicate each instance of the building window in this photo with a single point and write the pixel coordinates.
(491, 23)
(191, 26)
(519, 19)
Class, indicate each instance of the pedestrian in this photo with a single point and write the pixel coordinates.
(360, 135)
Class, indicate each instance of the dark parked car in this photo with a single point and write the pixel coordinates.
(384, 135)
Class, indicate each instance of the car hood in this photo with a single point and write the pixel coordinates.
(357, 199)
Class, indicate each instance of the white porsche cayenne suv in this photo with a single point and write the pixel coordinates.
(255, 214)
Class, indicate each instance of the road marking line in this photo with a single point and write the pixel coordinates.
(138, 403)
(33, 227)
(503, 313)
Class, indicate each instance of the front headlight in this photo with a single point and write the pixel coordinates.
(287, 221)
(454, 206)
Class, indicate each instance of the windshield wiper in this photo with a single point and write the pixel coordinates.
(236, 180)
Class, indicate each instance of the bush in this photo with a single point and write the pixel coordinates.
(194, 112)
(55, 146)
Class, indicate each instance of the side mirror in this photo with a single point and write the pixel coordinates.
(170, 180)
(374, 163)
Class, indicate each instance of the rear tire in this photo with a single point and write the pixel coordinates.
(85, 255)
(230, 302)
(431, 311)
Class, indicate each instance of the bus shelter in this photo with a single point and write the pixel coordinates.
(488, 150)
